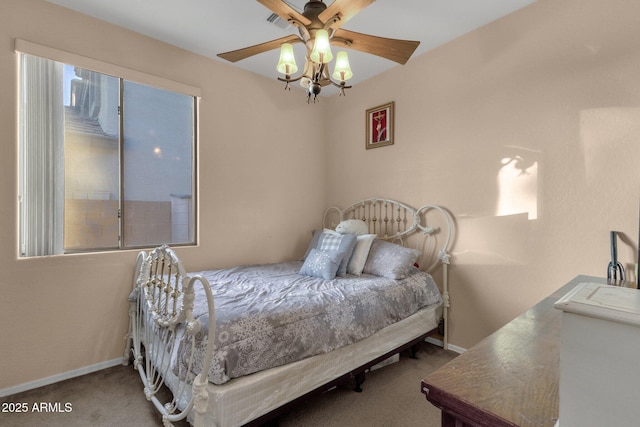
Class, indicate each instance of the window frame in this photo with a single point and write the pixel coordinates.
(124, 74)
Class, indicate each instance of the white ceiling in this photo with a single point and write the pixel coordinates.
(209, 27)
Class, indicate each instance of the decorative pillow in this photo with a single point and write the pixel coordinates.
(322, 264)
(360, 253)
(343, 243)
(315, 238)
(329, 240)
(390, 260)
(352, 226)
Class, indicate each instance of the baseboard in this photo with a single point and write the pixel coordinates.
(60, 377)
(440, 343)
(457, 349)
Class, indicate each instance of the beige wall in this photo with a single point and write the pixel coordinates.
(60, 314)
(556, 84)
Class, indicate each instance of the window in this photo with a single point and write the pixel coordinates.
(105, 163)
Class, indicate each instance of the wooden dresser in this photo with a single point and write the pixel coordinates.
(511, 378)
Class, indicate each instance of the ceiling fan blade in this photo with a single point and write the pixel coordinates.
(346, 9)
(237, 55)
(393, 49)
(284, 11)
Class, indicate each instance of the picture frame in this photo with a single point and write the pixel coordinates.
(380, 126)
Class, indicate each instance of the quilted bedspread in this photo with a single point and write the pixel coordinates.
(269, 315)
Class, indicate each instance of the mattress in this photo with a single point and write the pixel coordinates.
(242, 400)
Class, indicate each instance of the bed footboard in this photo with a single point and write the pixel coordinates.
(161, 317)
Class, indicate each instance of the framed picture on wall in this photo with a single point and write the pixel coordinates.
(380, 126)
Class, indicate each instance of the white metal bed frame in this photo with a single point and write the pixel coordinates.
(395, 221)
(162, 301)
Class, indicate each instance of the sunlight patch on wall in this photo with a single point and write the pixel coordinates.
(518, 185)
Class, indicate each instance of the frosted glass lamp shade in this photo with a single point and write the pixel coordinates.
(321, 53)
(287, 63)
(342, 70)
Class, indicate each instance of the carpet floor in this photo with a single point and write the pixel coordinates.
(391, 397)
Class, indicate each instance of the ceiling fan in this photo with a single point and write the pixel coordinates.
(319, 27)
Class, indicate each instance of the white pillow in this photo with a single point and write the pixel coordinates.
(360, 254)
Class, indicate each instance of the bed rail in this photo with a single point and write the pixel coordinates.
(161, 312)
(395, 221)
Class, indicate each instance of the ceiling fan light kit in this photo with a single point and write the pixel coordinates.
(342, 71)
(321, 53)
(319, 27)
(287, 63)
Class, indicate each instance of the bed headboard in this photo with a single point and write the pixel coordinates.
(395, 221)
